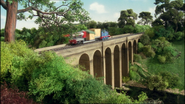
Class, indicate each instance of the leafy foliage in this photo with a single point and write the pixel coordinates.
(125, 79)
(145, 40)
(141, 28)
(148, 51)
(178, 35)
(127, 29)
(172, 79)
(162, 59)
(13, 96)
(140, 46)
(150, 32)
(156, 82)
(146, 18)
(127, 17)
(137, 58)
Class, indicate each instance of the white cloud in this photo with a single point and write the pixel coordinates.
(28, 24)
(99, 8)
(152, 10)
(116, 15)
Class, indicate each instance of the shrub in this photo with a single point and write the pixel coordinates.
(125, 79)
(151, 53)
(137, 58)
(167, 33)
(128, 29)
(162, 59)
(147, 50)
(150, 33)
(133, 68)
(178, 35)
(145, 40)
(58, 82)
(156, 82)
(134, 75)
(13, 96)
(6, 59)
(172, 79)
(140, 46)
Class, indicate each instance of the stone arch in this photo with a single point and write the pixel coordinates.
(135, 47)
(108, 66)
(84, 63)
(97, 64)
(116, 67)
(124, 60)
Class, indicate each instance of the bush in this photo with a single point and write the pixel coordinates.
(113, 31)
(145, 40)
(156, 82)
(133, 68)
(13, 96)
(148, 51)
(6, 59)
(140, 46)
(58, 82)
(128, 29)
(134, 75)
(137, 58)
(150, 32)
(167, 33)
(172, 79)
(141, 28)
(162, 59)
(125, 79)
(178, 35)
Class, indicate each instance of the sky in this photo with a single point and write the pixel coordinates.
(99, 10)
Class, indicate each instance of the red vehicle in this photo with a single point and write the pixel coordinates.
(88, 36)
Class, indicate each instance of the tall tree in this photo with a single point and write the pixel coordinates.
(170, 12)
(127, 17)
(48, 14)
(146, 18)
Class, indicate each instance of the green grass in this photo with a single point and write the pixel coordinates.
(177, 67)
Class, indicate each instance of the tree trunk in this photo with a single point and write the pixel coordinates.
(11, 18)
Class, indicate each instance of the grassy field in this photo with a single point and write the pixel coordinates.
(177, 67)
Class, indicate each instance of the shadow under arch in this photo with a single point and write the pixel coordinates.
(130, 50)
(84, 62)
(124, 60)
(97, 64)
(135, 47)
(116, 67)
(108, 66)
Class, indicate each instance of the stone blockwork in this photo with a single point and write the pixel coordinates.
(108, 59)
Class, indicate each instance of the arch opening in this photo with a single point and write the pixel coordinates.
(108, 66)
(97, 64)
(116, 67)
(135, 47)
(130, 51)
(124, 60)
(84, 63)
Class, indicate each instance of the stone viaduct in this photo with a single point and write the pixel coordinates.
(108, 59)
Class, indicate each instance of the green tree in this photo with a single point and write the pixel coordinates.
(91, 24)
(48, 14)
(170, 12)
(127, 17)
(146, 18)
